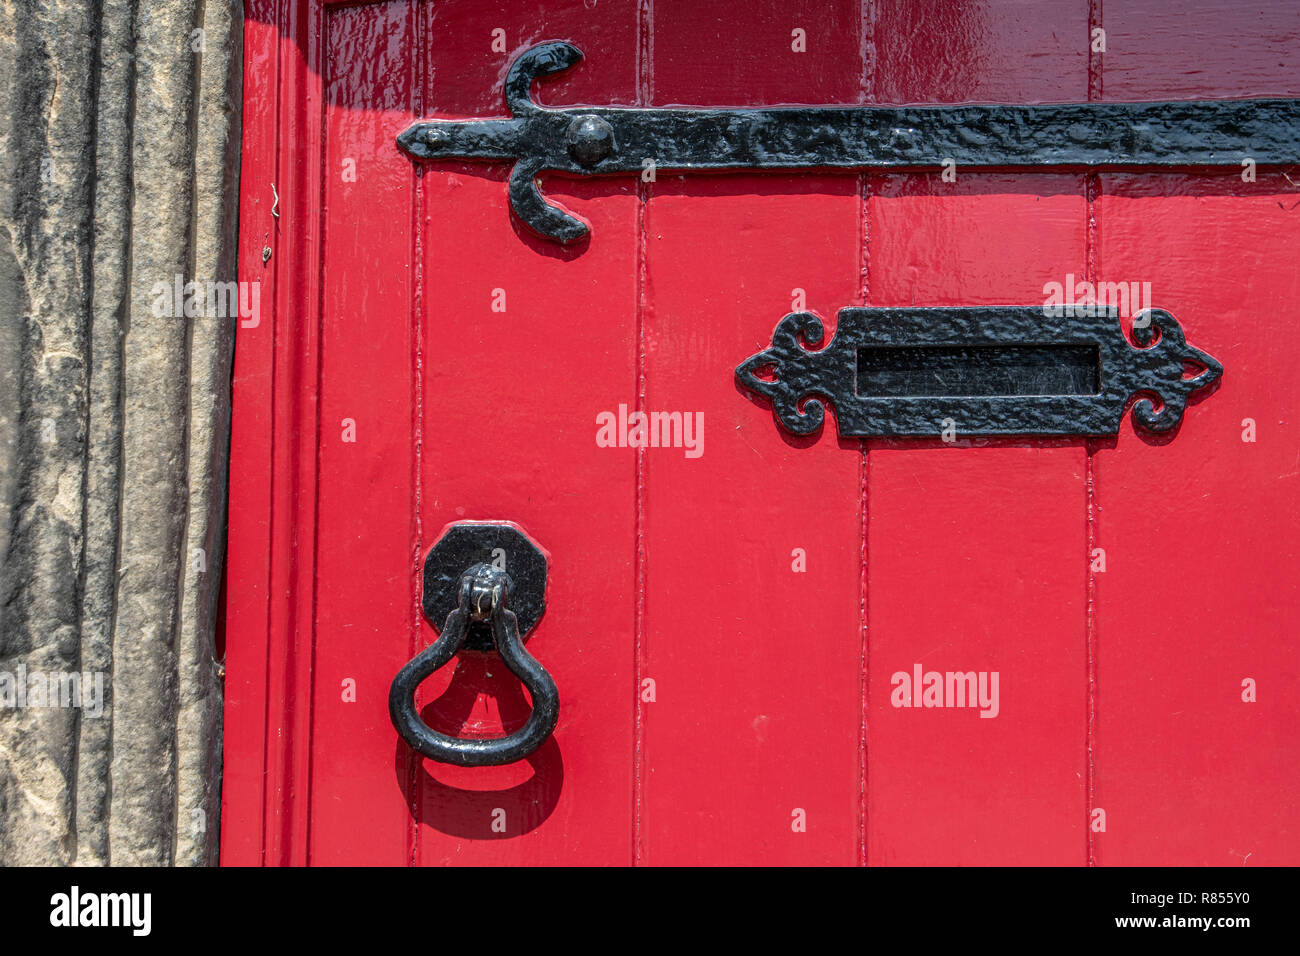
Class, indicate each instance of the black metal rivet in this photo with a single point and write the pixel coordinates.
(590, 139)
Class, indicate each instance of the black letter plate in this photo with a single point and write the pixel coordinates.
(982, 370)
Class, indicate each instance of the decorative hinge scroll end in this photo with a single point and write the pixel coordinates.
(493, 139)
(547, 219)
(543, 59)
(516, 138)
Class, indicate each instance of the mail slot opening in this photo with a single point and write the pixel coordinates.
(954, 370)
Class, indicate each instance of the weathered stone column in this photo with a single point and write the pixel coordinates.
(120, 141)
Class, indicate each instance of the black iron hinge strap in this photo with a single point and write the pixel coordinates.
(606, 140)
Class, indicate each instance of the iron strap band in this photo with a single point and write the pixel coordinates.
(610, 140)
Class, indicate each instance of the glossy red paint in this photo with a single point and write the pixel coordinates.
(725, 629)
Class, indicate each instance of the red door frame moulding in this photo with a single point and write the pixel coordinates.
(270, 594)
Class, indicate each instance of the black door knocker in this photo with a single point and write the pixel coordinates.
(486, 582)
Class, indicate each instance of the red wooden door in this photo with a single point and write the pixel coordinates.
(727, 622)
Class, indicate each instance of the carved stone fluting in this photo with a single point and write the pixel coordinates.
(120, 136)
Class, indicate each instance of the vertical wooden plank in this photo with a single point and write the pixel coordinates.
(751, 541)
(363, 561)
(976, 557)
(976, 548)
(525, 344)
(1199, 593)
